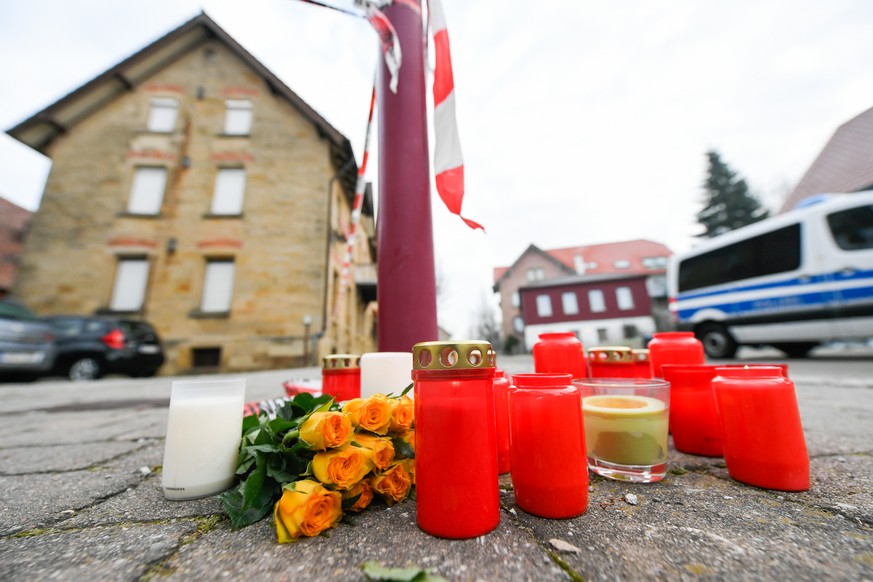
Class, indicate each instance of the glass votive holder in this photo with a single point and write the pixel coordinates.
(204, 432)
(626, 427)
(674, 347)
(385, 372)
(341, 376)
(611, 362)
(560, 353)
(547, 438)
(761, 432)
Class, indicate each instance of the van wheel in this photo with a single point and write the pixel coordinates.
(718, 343)
(797, 349)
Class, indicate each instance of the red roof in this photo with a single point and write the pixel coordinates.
(844, 165)
(604, 258)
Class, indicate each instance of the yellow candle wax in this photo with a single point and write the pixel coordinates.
(625, 429)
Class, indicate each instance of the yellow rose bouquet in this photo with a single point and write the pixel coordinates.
(314, 461)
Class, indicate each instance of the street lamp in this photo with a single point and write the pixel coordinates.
(307, 322)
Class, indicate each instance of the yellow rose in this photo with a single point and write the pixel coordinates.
(372, 414)
(393, 485)
(342, 467)
(324, 430)
(379, 449)
(363, 491)
(306, 508)
(402, 414)
(409, 465)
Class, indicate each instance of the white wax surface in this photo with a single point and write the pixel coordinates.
(202, 445)
(384, 372)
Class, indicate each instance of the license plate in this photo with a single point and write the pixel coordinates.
(21, 357)
(148, 349)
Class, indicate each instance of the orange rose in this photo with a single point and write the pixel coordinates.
(323, 430)
(393, 485)
(362, 491)
(306, 508)
(342, 467)
(379, 449)
(409, 465)
(372, 414)
(402, 414)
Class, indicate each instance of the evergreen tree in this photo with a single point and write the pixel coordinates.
(728, 202)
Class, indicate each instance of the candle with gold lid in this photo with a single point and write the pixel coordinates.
(611, 362)
(341, 376)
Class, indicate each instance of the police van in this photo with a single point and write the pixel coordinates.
(791, 281)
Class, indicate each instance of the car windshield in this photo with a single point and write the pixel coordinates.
(13, 310)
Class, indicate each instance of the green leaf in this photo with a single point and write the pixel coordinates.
(349, 501)
(250, 422)
(268, 448)
(407, 389)
(402, 448)
(377, 572)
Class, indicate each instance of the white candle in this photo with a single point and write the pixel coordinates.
(384, 372)
(204, 430)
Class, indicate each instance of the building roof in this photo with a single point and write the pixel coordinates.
(580, 279)
(40, 130)
(844, 165)
(599, 259)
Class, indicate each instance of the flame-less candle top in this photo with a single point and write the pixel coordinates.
(610, 355)
(453, 355)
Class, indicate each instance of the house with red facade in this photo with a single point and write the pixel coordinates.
(14, 223)
(627, 263)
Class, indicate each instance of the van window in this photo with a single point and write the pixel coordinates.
(766, 254)
(852, 229)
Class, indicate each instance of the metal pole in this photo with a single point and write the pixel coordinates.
(404, 231)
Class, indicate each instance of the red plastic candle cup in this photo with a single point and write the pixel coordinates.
(560, 353)
(549, 467)
(642, 363)
(611, 362)
(457, 493)
(625, 423)
(341, 376)
(674, 347)
(761, 430)
(501, 420)
(693, 419)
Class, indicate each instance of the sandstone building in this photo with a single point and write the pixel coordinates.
(192, 188)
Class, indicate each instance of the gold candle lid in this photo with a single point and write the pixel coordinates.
(341, 362)
(640, 355)
(610, 355)
(453, 355)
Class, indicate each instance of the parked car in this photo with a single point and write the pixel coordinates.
(92, 346)
(27, 347)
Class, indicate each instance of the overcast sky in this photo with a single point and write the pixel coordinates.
(581, 122)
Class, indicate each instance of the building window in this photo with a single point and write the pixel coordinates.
(544, 306)
(595, 301)
(536, 274)
(516, 299)
(630, 331)
(602, 335)
(147, 192)
(238, 117)
(569, 303)
(655, 262)
(128, 292)
(206, 357)
(625, 298)
(518, 324)
(621, 264)
(579, 263)
(217, 286)
(230, 186)
(162, 114)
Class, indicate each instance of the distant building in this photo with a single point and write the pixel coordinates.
(578, 270)
(844, 165)
(14, 223)
(191, 187)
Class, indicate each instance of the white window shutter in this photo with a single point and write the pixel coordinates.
(238, 117)
(162, 114)
(128, 292)
(147, 192)
(230, 186)
(217, 287)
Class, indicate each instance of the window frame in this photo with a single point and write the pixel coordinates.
(209, 295)
(238, 117)
(144, 202)
(158, 120)
(234, 205)
(116, 304)
(598, 305)
(622, 295)
(575, 303)
(544, 305)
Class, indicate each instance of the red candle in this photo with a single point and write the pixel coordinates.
(642, 364)
(674, 347)
(611, 362)
(761, 430)
(455, 439)
(549, 462)
(693, 418)
(560, 353)
(341, 376)
(501, 418)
